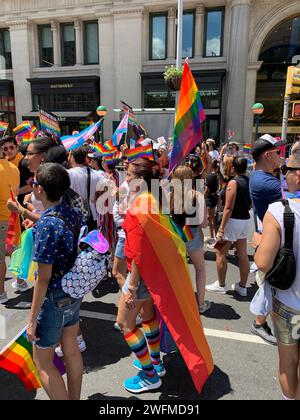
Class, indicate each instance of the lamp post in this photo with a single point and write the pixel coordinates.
(257, 110)
(101, 112)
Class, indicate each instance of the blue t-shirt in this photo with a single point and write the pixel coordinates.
(265, 189)
(54, 242)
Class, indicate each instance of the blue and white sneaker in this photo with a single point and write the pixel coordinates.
(159, 369)
(142, 383)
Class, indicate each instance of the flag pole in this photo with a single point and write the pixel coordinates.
(179, 41)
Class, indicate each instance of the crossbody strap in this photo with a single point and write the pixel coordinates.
(289, 224)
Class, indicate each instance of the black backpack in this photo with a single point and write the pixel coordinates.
(283, 273)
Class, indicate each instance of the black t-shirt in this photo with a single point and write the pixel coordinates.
(25, 175)
(212, 183)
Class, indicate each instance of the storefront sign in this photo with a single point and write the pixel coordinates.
(62, 86)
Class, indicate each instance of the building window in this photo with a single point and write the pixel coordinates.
(5, 50)
(214, 28)
(68, 44)
(91, 43)
(188, 34)
(45, 45)
(158, 37)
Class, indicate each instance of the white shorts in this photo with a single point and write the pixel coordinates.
(236, 229)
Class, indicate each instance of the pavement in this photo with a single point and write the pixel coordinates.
(245, 367)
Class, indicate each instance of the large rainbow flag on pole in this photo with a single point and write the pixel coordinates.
(16, 358)
(189, 118)
(156, 247)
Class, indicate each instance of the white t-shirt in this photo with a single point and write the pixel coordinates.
(214, 154)
(290, 297)
(79, 178)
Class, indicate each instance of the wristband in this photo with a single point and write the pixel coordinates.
(23, 214)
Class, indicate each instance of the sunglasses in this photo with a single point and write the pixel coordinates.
(31, 182)
(32, 153)
(285, 169)
(6, 149)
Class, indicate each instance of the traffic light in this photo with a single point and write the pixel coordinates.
(293, 81)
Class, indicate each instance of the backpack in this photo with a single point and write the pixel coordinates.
(89, 268)
(283, 273)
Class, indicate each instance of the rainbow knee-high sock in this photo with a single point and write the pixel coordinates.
(137, 342)
(151, 329)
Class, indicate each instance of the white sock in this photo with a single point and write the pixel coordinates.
(287, 399)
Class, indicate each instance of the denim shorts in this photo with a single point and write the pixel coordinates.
(195, 244)
(142, 292)
(120, 252)
(286, 323)
(52, 319)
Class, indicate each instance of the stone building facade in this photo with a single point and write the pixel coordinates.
(49, 58)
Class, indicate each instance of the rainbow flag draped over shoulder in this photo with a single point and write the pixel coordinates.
(16, 358)
(140, 152)
(189, 118)
(160, 255)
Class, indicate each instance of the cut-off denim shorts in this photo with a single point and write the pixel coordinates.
(120, 249)
(142, 292)
(286, 323)
(52, 319)
(195, 244)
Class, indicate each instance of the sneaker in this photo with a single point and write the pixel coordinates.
(242, 291)
(264, 332)
(205, 307)
(159, 369)
(142, 383)
(81, 343)
(216, 288)
(3, 298)
(139, 320)
(22, 287)
(81, 346)
(117, 327)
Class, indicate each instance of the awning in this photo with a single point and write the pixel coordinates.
(61, 116)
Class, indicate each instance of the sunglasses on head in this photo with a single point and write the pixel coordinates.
(285, 169)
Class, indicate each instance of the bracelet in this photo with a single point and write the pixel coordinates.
(23, 214)
(132, 288)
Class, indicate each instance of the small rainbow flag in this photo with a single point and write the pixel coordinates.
(189, 236)
(16, 358)
(3, 126)
(110, 146)
(110, 159)
(28, 137)
(140, 152)
(22, 129)
(49, 123)
(247, 149)
(98, 148)
(189, 118)
(160, 255)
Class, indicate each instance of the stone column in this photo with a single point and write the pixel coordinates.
(250, 100)
(199, 30)
(56, 43)
(21, 56)
(107, 69)
(79, 42)
(171, 33)
(237, 66)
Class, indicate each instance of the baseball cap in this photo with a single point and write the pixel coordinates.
(265, 143)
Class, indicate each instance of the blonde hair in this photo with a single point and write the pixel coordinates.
(227, 166)
(182, 173)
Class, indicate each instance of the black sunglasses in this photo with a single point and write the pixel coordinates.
(285, 169)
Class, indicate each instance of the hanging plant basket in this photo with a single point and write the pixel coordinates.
(174, 83)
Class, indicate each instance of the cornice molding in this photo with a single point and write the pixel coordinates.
(16, 25)
(127, 13)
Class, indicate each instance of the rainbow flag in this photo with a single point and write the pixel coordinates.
(110, 146)
(28, 137)
(189, 236)
(189, 118)
(78, 140)
(110, 158)
(247, 149)
(160, 255)
(140, 152)
(16, 358)
(22, 129)
(3, 126)
(49, 124)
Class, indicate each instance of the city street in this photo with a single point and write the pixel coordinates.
(245, 367)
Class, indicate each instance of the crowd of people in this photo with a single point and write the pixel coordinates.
(59, 192)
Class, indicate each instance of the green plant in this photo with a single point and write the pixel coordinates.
(172, 71)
